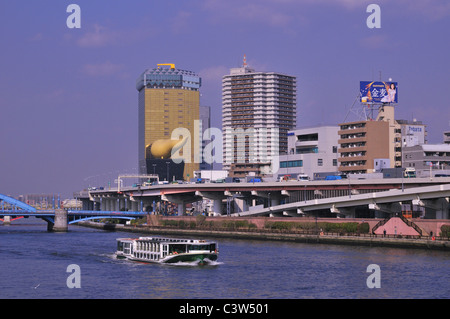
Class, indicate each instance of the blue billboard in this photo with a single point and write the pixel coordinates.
(378, 92)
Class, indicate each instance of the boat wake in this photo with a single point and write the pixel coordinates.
(198, 263)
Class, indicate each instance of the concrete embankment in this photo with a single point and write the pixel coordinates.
(280, 236)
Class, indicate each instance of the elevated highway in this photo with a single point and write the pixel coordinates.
(268, 198)
(388, 201)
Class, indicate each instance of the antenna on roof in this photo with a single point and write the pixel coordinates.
(245, 61)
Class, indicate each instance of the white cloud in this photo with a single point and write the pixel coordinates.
(432, 9)
(375, 42)
(254, 11)
(37, 37)
(102, 69)
(180, 23)
(281, 13)
(214, 73)
(99, 37)
(262, 13)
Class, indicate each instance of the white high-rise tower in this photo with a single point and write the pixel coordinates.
(258, 109)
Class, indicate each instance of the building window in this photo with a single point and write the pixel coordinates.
(308, 137)
(335, 149)
(335, 162)
(287, 164)
(319, 162)
(307, 150)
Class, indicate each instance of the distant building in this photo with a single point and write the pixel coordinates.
(428, 157)
(169, 99)
(360, 143)
(41, 200)
(413, 132)
(311, 151)
(258, 110)
(382, 139)
(386, 113)
(447, 137)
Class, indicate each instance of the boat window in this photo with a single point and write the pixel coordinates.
(177, 248)
(199, 247)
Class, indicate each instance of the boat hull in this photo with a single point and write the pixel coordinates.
(202, 258)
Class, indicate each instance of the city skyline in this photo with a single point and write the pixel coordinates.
(68, 96)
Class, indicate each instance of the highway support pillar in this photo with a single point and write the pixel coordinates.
(217, 207)
(181, 208)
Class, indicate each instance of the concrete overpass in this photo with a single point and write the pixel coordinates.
(436, 197)
(267, 198)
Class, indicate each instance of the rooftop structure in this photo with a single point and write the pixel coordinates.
(163, 77)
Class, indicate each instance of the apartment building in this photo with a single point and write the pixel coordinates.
(428, 159)
(258, 110)
(360, 143)
(447, 137)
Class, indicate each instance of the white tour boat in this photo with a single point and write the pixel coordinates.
(167, 250)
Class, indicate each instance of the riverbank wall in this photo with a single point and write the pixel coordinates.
(369, 240)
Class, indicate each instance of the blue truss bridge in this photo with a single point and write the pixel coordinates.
(57, 219)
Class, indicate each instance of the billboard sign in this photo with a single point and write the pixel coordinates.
(378, 92)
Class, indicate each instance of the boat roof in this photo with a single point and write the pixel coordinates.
(167, 240)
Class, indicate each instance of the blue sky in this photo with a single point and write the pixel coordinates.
(68, 99)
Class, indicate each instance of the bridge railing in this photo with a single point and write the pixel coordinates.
(104, 213)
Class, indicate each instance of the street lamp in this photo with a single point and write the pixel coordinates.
(403, 187)
(168, 170)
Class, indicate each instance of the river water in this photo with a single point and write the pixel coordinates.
(34, 264)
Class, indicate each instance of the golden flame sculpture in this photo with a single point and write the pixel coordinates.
(165, 148)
